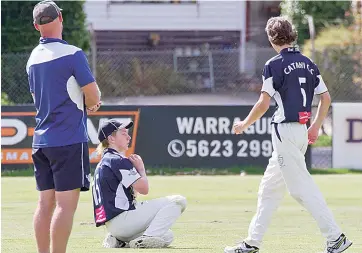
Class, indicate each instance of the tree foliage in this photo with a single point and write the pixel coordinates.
(5, 99)
(18, 33)
(338, 54)
(19, 37)
(324, 13)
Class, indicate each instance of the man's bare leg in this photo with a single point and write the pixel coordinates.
(42, 219)
(62, 222)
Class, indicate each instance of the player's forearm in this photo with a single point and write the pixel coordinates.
(142, 184)
(92, 94)
(256, 113)
(142, 173)
(93, 100)
(322, 111)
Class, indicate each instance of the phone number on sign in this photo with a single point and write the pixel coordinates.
(217, 148)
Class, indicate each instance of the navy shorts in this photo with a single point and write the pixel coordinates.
(62, 168)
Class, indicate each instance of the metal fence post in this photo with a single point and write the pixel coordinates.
(93, 50)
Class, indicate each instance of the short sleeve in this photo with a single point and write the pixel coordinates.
(320, 86)
(268, 80)
(124, 170)
(82, 72)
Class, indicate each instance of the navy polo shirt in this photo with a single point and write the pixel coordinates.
(292, 79)
(112, 186)
(56, 73)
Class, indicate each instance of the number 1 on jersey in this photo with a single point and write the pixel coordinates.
(95, 189)
(302, 80)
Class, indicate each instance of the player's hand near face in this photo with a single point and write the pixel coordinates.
(137, 162)
(239, 127)
(313, 131)
(141, 185)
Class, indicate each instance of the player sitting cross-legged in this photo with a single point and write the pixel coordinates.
(130, 223)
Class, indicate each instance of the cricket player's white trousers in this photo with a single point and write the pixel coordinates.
(152, 218)
(287, 169)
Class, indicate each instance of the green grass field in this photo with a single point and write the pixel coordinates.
(218, 214)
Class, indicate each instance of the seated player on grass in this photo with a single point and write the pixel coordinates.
(130, 223)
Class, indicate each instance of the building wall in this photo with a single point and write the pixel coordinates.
(128, 26)
(202, 15)
(259, 12)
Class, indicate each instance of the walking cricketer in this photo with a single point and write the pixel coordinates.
(130, 223)
(292, 80)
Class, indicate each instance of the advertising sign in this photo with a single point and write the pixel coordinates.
(165, 136)
(347, 135)
(202, 136)
(17, 129)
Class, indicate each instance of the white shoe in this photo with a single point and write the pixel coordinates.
(339, 245)
(241, 248)
(112, 242)
(148, 242)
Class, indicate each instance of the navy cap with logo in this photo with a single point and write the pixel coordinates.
(110, 126)
(45, 12)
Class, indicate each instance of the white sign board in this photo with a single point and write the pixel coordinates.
(347, 135)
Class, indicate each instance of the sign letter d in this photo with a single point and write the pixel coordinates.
(13, 124)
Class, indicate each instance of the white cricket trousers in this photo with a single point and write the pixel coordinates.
(287, 169)
(152, 218)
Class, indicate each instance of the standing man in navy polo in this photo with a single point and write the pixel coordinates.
(63, 89)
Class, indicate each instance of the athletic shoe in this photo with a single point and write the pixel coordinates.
(112, 242)
(147, 242)
(241, 248)
(339, 245)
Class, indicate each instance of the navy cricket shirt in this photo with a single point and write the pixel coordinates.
(112, 186)
(292, 79)
(56, 73)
